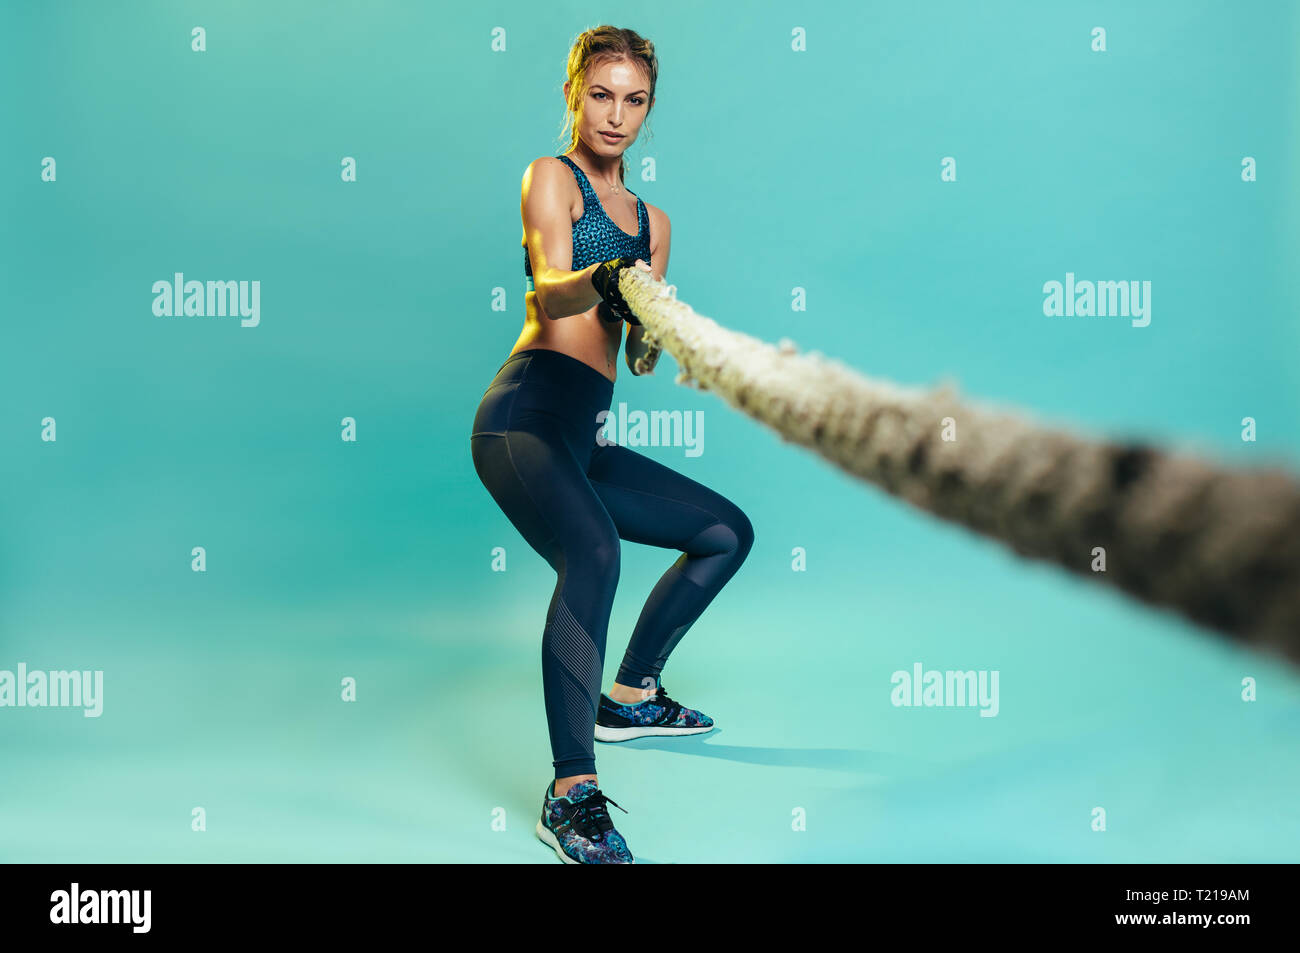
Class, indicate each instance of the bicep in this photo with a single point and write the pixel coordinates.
(544, 206)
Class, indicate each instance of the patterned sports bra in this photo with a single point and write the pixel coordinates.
(595, 236)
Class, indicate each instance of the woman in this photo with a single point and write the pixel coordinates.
(572, 497)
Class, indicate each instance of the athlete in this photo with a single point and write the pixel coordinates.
(573, 498)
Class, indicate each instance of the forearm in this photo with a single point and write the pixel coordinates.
(563, 293)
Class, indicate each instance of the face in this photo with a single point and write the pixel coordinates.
(616, 101)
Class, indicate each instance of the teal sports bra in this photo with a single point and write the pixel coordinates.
(595, 236)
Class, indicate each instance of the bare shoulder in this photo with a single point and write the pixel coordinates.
(547, 172)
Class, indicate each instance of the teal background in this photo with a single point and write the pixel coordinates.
(373, 560)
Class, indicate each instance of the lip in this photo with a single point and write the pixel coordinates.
(612, 136)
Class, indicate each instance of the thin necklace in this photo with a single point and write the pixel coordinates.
(613, 189)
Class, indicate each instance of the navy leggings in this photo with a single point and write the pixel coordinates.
(535, 448)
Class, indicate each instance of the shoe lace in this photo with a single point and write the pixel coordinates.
(590, 818)
(671, 708)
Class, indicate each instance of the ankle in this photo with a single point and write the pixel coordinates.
(628, 695)
(562, 785)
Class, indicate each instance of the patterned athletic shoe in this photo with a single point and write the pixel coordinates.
(579, 829)
(656, 715)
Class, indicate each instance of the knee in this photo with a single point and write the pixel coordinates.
(744, 530)
(730, 538)
(600, 557)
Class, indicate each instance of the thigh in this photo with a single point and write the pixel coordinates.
(544, 491)
(654, 504)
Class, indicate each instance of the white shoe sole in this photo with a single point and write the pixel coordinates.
(627, 734)
(546, 837)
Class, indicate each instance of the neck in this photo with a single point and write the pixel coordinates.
(603, 167)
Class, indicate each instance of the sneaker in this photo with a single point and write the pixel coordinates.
(579, 829)
(656, 715)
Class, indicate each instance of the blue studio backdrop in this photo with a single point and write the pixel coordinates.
(308, 631)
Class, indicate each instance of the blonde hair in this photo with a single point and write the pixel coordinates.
(605, 44)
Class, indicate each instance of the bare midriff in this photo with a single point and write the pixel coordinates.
(584, 337)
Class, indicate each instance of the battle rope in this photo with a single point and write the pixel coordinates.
(1220, 545)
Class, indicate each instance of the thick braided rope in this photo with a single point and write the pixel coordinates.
(1220, 545)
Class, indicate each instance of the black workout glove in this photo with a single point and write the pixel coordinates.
(605, 278)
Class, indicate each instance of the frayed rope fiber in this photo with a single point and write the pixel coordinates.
(1218, 544)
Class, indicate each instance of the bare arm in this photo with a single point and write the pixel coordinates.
(660, 239)
(544, 206)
